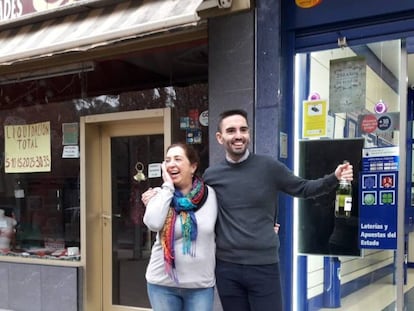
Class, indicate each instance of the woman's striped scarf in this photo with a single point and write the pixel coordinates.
(184, 206)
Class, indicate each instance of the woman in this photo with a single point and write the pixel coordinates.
(183, 212)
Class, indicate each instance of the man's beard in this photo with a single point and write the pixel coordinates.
(238, 151)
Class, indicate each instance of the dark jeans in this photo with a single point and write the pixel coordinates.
(249, 287)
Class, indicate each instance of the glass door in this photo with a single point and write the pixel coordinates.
(128, 152)
(130, 239)
(350, 108)
(123, 154)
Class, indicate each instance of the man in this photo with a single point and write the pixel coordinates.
(246, 184)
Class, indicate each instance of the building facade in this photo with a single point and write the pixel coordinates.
(91, 92)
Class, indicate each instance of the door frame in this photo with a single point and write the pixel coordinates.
(95, 185)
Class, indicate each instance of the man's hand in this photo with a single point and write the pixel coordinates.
(344, 171)
(147, 195)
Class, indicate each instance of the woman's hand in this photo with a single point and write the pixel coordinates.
(165, 175)
(147, 195)
(276, 228)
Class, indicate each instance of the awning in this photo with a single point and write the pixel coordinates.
(96, 27)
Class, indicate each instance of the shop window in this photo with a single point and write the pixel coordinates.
(43, 205)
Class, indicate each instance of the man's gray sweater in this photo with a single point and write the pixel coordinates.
(247, 194)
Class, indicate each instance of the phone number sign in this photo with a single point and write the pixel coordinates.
(27, 148)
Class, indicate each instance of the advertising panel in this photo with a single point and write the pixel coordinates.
(321, 230)
(378, 199)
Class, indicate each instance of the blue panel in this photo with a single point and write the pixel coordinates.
(409, 209)
(410, 47)
(361, 34)
(331, 282)
(334, 11)
(302, 283)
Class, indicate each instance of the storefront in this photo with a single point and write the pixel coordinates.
(352, 77)
(91, 94)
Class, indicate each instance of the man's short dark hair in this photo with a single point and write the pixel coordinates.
(229, 113)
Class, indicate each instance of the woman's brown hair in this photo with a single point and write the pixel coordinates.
(189, 151)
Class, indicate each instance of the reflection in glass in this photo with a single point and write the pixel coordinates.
(46, 205)
(131, 240)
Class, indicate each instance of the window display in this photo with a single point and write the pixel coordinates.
(40, 173)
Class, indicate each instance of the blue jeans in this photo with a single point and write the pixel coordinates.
(249, 287)
(164, 298)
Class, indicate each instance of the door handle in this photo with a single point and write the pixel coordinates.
(107, 217)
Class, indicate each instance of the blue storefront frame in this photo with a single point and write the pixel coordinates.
(307, 30)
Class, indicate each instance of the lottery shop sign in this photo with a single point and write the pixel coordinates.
(378, 198)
